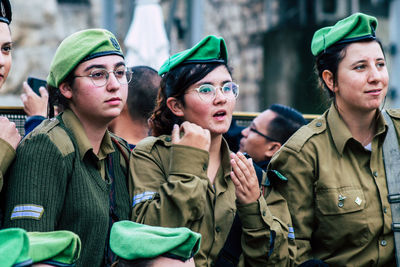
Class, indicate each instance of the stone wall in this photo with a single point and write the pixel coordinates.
(39, 26)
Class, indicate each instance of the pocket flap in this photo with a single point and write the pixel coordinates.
(340, 200)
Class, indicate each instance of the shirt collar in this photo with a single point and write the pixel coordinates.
(341, 133)
(72, 122)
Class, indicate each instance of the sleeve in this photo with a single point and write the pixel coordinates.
(267, 238)
(298, 168)
(36, 186)
(31, 123)
(170, 185)
(7, 154)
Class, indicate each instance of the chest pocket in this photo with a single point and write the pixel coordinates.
(341, 218)
(337, 201)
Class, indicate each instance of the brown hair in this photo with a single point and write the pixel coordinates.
(174, 84)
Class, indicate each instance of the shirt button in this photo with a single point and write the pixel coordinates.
(318, 124)
(383, 243)
(384, 210)
(375, 173)
(168, 139)
(218, 229)
(205, 167)
(264, 213)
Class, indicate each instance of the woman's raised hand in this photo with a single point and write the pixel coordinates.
(244, 178)
(9, 132)
(193, 135)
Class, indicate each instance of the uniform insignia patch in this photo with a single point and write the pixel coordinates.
(291, 233)
(27, 211)
(115, 43)
(358, 201)
(142, 197)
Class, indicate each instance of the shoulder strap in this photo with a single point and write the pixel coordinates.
(391, 159)
(125, 154)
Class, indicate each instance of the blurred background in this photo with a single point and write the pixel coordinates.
(268, 40)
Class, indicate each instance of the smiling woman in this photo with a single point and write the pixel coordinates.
(337, 182)
(186, 175)
(69, 173)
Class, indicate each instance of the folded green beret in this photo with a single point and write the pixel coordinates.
(59, 248)
(14, 248)
(130, 240)
(210, 49)
(78, 47)
(351, 29)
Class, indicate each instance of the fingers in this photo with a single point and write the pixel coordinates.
(244, 178)
(193, 135)
(175, 134)
(43, 93)
(27, 89)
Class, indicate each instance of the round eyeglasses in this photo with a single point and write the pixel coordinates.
(207, 92)
(100, 77)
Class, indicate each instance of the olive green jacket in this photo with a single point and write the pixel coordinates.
(171, 189)
(7, 154)
(337, 193)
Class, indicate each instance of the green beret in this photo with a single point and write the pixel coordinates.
(130, 240)
(78, 47)
(5, 11)
(14, 247)
(210, 49)
(351, 29)
(59, 248)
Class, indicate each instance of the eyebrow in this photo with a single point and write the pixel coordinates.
(207, 82)
(7, 43)
(101, 66)
(363, 61)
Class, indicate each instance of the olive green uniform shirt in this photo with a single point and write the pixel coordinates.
(7, 154)
(337, 193)
(171, 189)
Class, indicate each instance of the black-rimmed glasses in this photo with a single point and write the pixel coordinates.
(253, 129)
(100, 77)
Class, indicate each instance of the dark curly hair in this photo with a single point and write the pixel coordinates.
(174, 84)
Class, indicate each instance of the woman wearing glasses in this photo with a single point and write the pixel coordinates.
(70, 173)
(186, 176)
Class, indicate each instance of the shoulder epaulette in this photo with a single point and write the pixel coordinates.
(394, 113)
(148, 143)
(57, 135)
(299, 138)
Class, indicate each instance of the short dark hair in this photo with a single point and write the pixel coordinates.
(286, 123)
(142, 92)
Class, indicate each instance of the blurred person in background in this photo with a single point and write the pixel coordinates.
(35, 106)
(269, 131)
(132, 123)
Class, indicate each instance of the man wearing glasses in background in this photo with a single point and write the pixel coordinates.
(269, 131)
